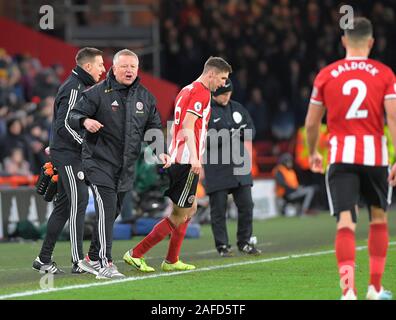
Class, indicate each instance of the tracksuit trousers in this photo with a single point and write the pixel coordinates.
(70, 204)
(108, 205)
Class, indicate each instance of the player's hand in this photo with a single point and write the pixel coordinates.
(92, 125)
(316, 162)
(166, 160)
(196, 166)
(392, 176)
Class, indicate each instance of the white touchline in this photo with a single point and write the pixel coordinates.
(111, 282)
(148, 258)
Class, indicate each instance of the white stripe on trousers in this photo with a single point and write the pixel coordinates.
(186, 190)
(101, 227)
(73, 213)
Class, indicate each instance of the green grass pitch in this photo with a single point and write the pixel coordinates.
(297, 263)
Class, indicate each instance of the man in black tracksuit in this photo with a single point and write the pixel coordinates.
(65, 153)
(116, 114)
(229, 119)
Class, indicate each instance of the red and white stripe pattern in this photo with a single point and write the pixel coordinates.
(368, 150)
(194, 98)
(181, 154)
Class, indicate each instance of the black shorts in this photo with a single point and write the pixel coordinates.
(182, 185)
(346, 183)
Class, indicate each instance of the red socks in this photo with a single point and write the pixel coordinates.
(159, 232)
(377, 247)
(345, 253)
(176, 241)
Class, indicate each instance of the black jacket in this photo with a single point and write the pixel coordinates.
(109, 155)
(63, 137)
(235, 119)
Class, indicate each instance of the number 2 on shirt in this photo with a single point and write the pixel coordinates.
(353, 111)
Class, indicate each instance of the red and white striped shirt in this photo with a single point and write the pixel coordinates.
(353, 90)
(194, 98)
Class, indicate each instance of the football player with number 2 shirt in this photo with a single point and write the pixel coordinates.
(356, 92)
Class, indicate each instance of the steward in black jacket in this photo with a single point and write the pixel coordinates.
(229, 120)
(235, 119)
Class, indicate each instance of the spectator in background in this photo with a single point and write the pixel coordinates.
(172, 50)
(3, 122)
(14, 138)
(45, 84)
(190, 60)
(6, 94)
(240, 86)
(30, 67)
(294, 37)
(282, 126)
(259, 112)
(16, 165)
(37, 138)
(287, 186)
(44, 114)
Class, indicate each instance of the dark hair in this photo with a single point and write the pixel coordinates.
(12, 120)
(217, 63)
(362, 28)
(86, 54)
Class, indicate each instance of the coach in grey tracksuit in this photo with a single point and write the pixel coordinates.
(65, 154)
(116, 113)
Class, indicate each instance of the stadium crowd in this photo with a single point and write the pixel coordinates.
(275, 48)
(27, 93)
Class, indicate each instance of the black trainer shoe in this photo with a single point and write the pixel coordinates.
(225, 251)
(50, 267)
(76, 269)
(250, 249)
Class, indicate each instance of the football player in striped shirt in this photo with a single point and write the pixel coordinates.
(356, 92)
(191, 118)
